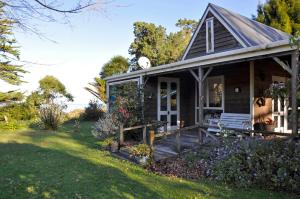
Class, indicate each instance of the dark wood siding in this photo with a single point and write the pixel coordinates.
(223, 40)
(235, 75)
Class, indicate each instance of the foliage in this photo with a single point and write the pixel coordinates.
(94, 111)
(51, 88)
(10, 72)
(281, 14)
(140, 150)
(161, 48)
(97, 88)
(115, 65)
(35, 99)
(268, 164)
(51, 115)
(278, 91)
(11, 96)
(126, 103)
(105, 127)
(17, 111)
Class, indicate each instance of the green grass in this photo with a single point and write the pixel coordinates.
(69, 164)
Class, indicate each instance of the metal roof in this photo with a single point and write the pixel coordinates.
(253, 33)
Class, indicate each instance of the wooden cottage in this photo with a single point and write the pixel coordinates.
(229, 63)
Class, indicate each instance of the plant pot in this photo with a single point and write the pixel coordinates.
(142, 160)
(114, 147)
(259, 126)
(270, 128)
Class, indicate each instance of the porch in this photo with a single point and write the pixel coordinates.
(235, 87)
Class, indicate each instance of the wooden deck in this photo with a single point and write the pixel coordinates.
(166, 147)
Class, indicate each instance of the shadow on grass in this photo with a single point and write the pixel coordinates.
(28, 171)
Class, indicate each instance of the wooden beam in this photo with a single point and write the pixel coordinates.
(207, 73)
(194, 75)
(252, 92)
(285, 66)
(200, 96)
(294, 85)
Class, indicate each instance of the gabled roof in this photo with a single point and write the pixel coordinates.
(247, 32)
(253, 33)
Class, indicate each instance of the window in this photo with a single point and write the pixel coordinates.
(209, 35)
(214, 92)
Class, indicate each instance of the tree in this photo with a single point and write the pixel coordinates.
(161, 48)
(10, 72)
(115, 65)
(24, 12)
(51, 88)
(280, 14)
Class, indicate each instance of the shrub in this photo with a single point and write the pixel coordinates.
(94, 111)
(267, 164)
(51, 115)
(105, 127)
(18, 111)
(141, 150)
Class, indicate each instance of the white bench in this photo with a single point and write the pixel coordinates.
(230, 120)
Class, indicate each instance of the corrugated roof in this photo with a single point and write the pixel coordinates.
(251, 32)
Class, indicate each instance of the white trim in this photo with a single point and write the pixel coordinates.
(203, 61)
(209, 9)
(116, 83)
(206, 90)
(169, 112)
(252, 92)
(212, 39)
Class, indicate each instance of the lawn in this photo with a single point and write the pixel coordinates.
(69, 164)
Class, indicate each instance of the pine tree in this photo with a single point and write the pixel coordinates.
(9, 72)
(280, 14)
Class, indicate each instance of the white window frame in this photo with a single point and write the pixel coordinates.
(206, 90)
(108, 84)
(212, 39)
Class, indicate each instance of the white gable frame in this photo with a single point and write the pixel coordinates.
(217, 15)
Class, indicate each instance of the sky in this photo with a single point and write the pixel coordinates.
(92, 38)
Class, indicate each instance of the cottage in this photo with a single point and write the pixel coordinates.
(229, 63)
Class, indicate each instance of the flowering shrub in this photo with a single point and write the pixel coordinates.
(105, 127)
(267, 164)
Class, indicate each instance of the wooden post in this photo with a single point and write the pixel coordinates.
(252, 92)
(144, 134)
(294, 85)
(200, 100)
(121, 131)
(178, 144)
(151, 138)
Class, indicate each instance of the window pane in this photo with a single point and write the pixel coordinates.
(163, 96)
(163, 118)
(173, 96)
(173, 120)
(215, 89)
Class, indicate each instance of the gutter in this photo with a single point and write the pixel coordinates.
(271, 48)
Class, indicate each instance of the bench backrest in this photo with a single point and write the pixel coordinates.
(235, 120)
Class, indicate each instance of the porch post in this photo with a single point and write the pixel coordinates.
(200, 93)
(294, 85)
(252, 92)
(200, 101)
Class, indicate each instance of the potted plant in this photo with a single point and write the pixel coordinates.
(259, 125)
(270, 124)
(141, 153)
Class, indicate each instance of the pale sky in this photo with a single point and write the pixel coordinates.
(93, 38)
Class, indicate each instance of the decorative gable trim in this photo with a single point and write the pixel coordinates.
(220, 18)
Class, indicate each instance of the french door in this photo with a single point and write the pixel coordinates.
(280, 109)
(168, 102)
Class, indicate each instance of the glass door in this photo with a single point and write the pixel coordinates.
(280, 108)
(168, 102)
